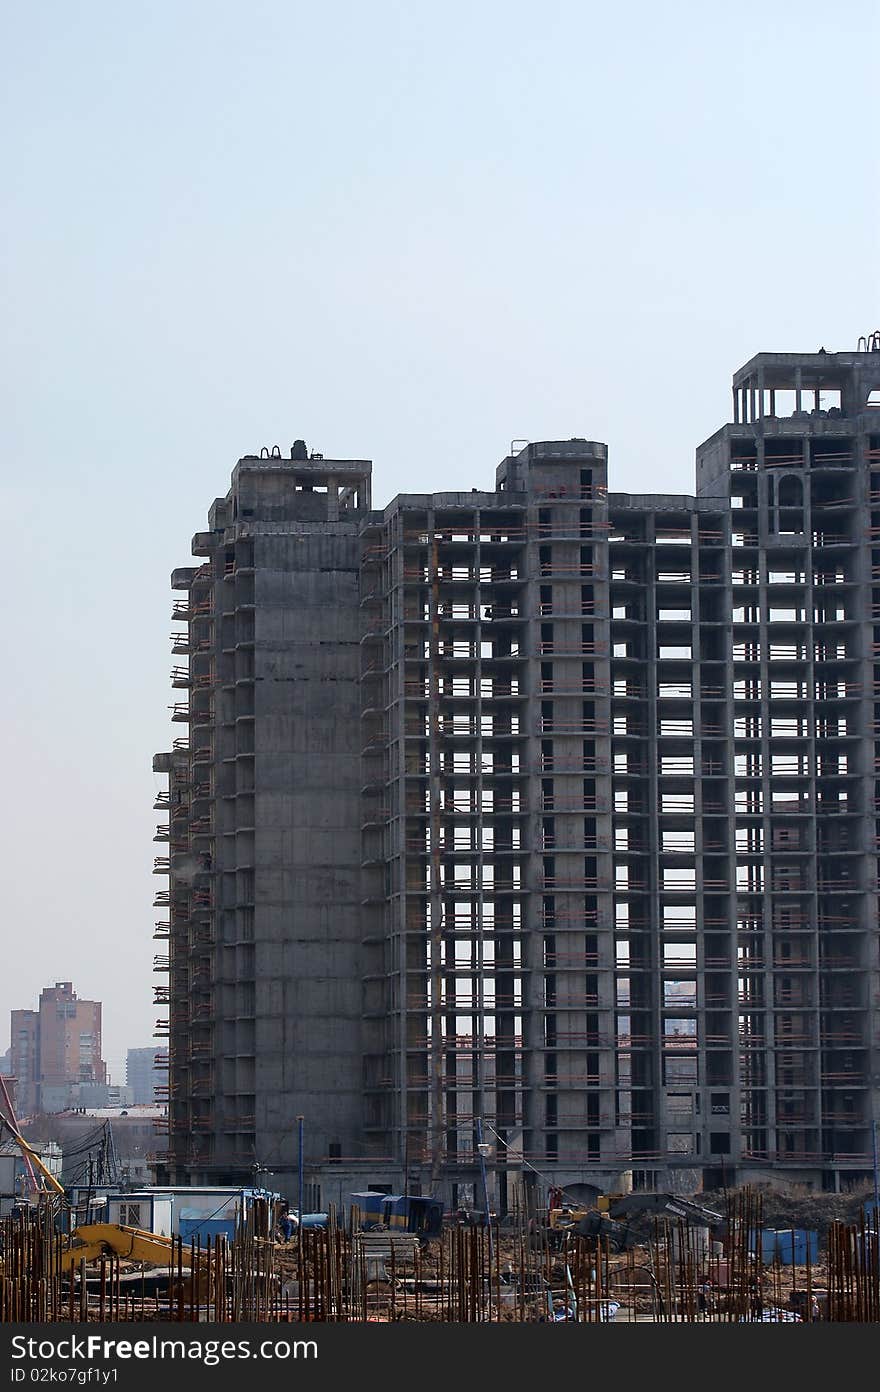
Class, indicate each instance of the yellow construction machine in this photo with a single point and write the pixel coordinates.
(564, 1218)
(92, 1240)
(610, 1216)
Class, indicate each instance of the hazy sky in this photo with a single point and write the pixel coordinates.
(406, 232)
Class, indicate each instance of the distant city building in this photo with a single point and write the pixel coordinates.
(107, 1144)
(6, 1063)
(23, 1057)
(55, 1049)
(144, 1072)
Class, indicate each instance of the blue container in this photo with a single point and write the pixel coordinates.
(206, 1228)
(789, 1246)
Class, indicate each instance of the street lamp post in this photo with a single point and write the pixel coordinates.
(483, 1150)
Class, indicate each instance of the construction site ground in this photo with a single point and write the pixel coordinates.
(626, 1281)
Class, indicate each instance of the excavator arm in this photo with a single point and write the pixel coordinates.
(93, 1240)
(611, 1221)
(629, 1204)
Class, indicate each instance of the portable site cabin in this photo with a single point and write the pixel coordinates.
(145, 1210)
(191, 1213)
(205, 1212)
(134, 1208)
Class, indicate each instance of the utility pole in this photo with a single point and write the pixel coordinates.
(876, 1215)
(299, 1168)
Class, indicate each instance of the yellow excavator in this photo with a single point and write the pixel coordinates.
(610, 1217)
(93, 1240)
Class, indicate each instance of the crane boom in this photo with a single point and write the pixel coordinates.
(31, 1155)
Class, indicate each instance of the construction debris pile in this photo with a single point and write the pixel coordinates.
(513, 1271)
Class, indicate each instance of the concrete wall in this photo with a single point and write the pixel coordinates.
(307, 841)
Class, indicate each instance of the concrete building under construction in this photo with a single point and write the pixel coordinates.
(542, 815)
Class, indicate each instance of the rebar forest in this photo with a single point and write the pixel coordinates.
(471, 1274)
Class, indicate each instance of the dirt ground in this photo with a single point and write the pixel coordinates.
(632, 1284)
(798, 1207)
(631, 1287)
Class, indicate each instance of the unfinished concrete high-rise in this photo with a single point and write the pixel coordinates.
(543, 815)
